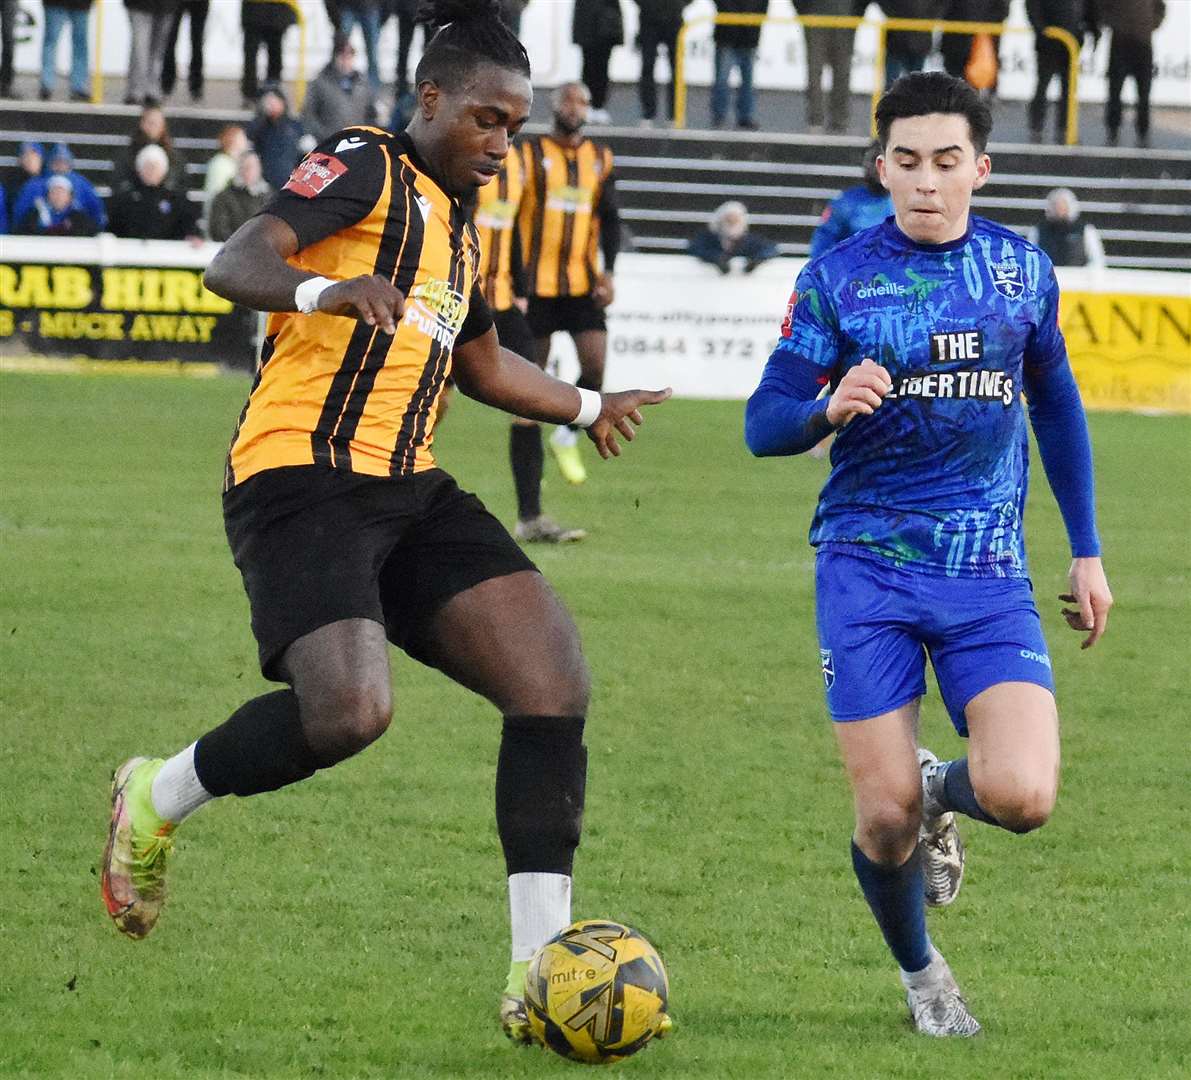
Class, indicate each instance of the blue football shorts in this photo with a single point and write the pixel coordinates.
(878, 622)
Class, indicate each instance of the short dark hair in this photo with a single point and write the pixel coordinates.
(924, 92)
(469, 33)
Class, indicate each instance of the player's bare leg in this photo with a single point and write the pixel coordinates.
(880, 757)
(340, 702)
(511, 640)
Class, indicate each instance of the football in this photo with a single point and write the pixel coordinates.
(596, 992)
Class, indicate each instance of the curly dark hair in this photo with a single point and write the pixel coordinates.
(468, 33)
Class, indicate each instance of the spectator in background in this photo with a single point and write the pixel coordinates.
(728, 237)
(148, 28)
(8, 41)
(1053, 58)
(3, 213)
(855, 209)
(597, 27)
(404, 11)
(340, 96)
(152, 129)
(367, 15)
(55, 213)
(221, 169)
(30, 164)
(957, 48)
(661, 21)
(243, 198)
(264, 23)
(907, 50)
(736, 48)
(61, 163)
(828, 47)
(1065, 239)
(147, 207)
(278, 137)
(58, 13)
(197, 11)
(1131, 53)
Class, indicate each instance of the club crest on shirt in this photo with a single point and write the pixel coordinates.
(1007, 279)
(314, 174)
(828, 665)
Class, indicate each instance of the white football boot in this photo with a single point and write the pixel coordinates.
(936, 1005)
(939, 840)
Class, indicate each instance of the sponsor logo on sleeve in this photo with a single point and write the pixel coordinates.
(788, 321)
(314, 174)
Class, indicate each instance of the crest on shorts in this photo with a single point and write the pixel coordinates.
(828, 665)
(1007, 279)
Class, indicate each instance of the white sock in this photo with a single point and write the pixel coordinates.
(929, 975)
(539, 907)
(176, 790)
(564, 436)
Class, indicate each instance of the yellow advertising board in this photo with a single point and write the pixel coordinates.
(1129, 352)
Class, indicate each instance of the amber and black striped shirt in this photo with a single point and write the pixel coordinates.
(335, 390)
(497, 203)
(568, 216)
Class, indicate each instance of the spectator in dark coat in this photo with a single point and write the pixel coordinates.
(151, 129)
(243, 198)
(146, 208)
(340, 96)
(957, 48)
(1131, 54)
(907, 50)
(264, 23)
(62, 164)
(736, 48)
(597, 27)
(661, 21)
(828, 47)
(30, 164)
(197, 11)
(1053, 59)
(149, 29)
(728, 237)
(8, 41)
(279, 138)
(58, 14)
(55, 213)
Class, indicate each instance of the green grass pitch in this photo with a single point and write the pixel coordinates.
(355, 925)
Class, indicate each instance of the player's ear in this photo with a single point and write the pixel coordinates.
(428, 98)
(882, 175)
(983, 168)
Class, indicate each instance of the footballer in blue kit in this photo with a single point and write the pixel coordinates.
(914, 341)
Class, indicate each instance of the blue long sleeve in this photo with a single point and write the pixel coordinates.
(1056, 413)
(785, 414)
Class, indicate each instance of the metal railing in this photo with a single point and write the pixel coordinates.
(882, 27)
(299, 78)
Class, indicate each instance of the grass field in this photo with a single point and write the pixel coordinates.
(355, 925)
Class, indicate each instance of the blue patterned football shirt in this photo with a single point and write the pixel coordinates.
(936, 478)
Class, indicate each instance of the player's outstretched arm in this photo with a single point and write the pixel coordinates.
(251, 270)
(485, 371)
(1092, 597)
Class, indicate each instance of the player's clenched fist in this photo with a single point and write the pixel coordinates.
(620, 413)
(370, 298)
(859, 392)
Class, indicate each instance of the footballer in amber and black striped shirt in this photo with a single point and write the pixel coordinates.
(345, 532)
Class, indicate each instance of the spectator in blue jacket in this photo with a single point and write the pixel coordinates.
(61, 163)
(55, 213)
(3, 213)
(278, 138)
(855, 209)
(728, 237)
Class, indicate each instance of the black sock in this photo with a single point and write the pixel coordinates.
(525, 455)
(260, 747)
(895, 895)
(541, 776)
(958, 793)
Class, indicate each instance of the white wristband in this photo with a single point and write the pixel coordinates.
(306, 295)
(590, 406)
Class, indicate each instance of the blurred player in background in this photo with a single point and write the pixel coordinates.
(502, 277)
(927, 328)
(858, 208)
(568, 221)
(345, 532)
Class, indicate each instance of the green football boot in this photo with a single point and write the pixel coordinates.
(513, 1019)
(138, 850)
(570, 462)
